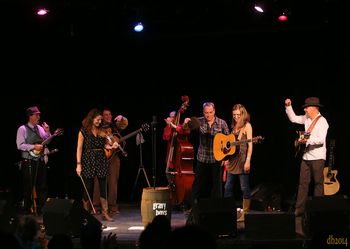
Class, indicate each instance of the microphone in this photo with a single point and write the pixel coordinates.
(52, 152)
(154, 120)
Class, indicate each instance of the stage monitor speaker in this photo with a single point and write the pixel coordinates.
(260, 224)
(216, 215)
(326, 215)
(8, 217)
(66, 216)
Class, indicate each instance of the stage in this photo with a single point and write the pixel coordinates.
(127, 225)
(261, 229)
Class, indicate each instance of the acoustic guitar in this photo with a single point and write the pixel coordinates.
(225, 145)
(300, 143)
(331, 185)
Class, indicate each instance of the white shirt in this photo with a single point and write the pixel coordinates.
(317, 140)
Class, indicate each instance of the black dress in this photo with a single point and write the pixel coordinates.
(94, 160)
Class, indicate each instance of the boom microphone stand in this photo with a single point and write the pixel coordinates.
(139, 142)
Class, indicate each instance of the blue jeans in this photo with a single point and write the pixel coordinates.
(244, 183)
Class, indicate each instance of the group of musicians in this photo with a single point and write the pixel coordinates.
(207, 181)
(98, 163)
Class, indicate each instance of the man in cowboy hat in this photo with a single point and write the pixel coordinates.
(314, 155)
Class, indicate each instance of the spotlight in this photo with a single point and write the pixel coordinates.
(42, 12)
(259, 8)
(138, 27)
(283, 18)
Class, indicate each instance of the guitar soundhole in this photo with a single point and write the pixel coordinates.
(226, 151)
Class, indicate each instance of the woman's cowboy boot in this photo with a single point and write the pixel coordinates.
(246, 208)
(104, 206)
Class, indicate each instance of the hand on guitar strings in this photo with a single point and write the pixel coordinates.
(302, 141)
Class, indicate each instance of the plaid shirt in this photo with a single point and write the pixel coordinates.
(206, 137)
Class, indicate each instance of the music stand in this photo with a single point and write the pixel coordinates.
(139, 142)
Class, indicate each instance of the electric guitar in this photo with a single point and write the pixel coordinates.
(111, 138)
(225, 145)
(330, 184)
(39, 153)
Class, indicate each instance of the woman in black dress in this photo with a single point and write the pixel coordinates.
(92, 160)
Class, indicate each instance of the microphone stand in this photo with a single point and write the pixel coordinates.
(139, 142)
(154, 152)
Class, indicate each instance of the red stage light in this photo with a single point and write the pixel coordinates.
(282, 18)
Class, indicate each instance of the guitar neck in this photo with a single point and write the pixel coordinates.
(129, 135)
(241, 142)
(47, 140)
(331, 160)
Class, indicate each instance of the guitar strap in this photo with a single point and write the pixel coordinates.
(311, 127)
(298, 145)
(313, 124)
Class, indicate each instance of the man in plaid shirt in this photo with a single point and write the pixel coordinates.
(207, 181)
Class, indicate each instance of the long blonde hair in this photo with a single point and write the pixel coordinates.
(245, 116)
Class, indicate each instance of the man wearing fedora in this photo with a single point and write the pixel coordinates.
(29, 142)
(314, 155)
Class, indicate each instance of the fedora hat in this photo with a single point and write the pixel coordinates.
(32, 110)
(312, 101)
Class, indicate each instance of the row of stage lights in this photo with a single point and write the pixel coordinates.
(139, 27)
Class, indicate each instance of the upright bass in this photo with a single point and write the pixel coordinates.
(181, 156)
